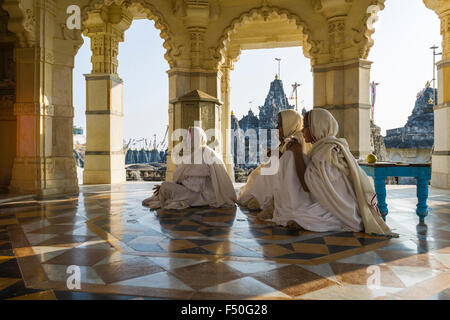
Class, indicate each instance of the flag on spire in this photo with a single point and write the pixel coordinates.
(294, 87)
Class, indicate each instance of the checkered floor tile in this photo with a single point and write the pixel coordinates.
(125, 251)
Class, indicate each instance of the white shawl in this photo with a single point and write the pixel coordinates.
(324, 128)
(203, 161)
(291, 125)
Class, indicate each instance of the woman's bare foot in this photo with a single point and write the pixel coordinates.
(253, 204)
(267, 213)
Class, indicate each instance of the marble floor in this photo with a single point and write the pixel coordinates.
(118, 249)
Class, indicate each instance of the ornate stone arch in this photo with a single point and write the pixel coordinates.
(22, 21)
(152, 13)
(266, 12)
(362, 33)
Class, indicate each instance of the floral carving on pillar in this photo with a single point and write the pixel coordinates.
(197, 38)
(336, 35)
(361, 34)
(196, 15)
(30, 21)
(22, 21)
(225, 80)
(445, 32)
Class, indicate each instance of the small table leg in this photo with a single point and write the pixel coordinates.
(422, 196)
(380, 189)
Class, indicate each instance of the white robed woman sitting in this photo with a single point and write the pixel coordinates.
(293, 205)
(257, 193)
(200, 180)
(336, 193)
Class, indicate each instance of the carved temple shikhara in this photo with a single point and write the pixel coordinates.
(202, 41)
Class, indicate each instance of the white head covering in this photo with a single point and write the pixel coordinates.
(196, 138)
(323, 125)
(291, 125)
(196, 141)
(324, 128)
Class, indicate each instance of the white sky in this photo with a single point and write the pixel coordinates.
(401, 55)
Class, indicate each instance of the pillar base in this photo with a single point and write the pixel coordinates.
(440, 176)
(104, 176)
(41, 177)
(104, 168)
(171, 167)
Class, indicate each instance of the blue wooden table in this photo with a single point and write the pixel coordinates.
(381, 170)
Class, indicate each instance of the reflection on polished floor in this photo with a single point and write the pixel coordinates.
(126, 251)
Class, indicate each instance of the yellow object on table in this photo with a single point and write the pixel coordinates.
(371, 158)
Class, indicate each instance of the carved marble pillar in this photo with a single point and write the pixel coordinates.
(58, 117)
(441, 156)
(8, 128)
(226, 121)
(105, 158)
(440, 176)
(197, 82)
(181, 82)
(27, 173)
(44, 163)
(343, 88)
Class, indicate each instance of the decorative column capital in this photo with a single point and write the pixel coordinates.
(106, 28)
(445, 32)
(336, 36)
(197, 16)
(22, 21)
(225, 81)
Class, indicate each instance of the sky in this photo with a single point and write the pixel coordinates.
(402, 64)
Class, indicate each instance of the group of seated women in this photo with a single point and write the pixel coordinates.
(317, 184)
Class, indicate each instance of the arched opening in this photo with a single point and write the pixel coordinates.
(125, 87)
(262, 36)
(143, 68)
(82, 65)
(402, 76)
(258, 93)
(404, 95)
